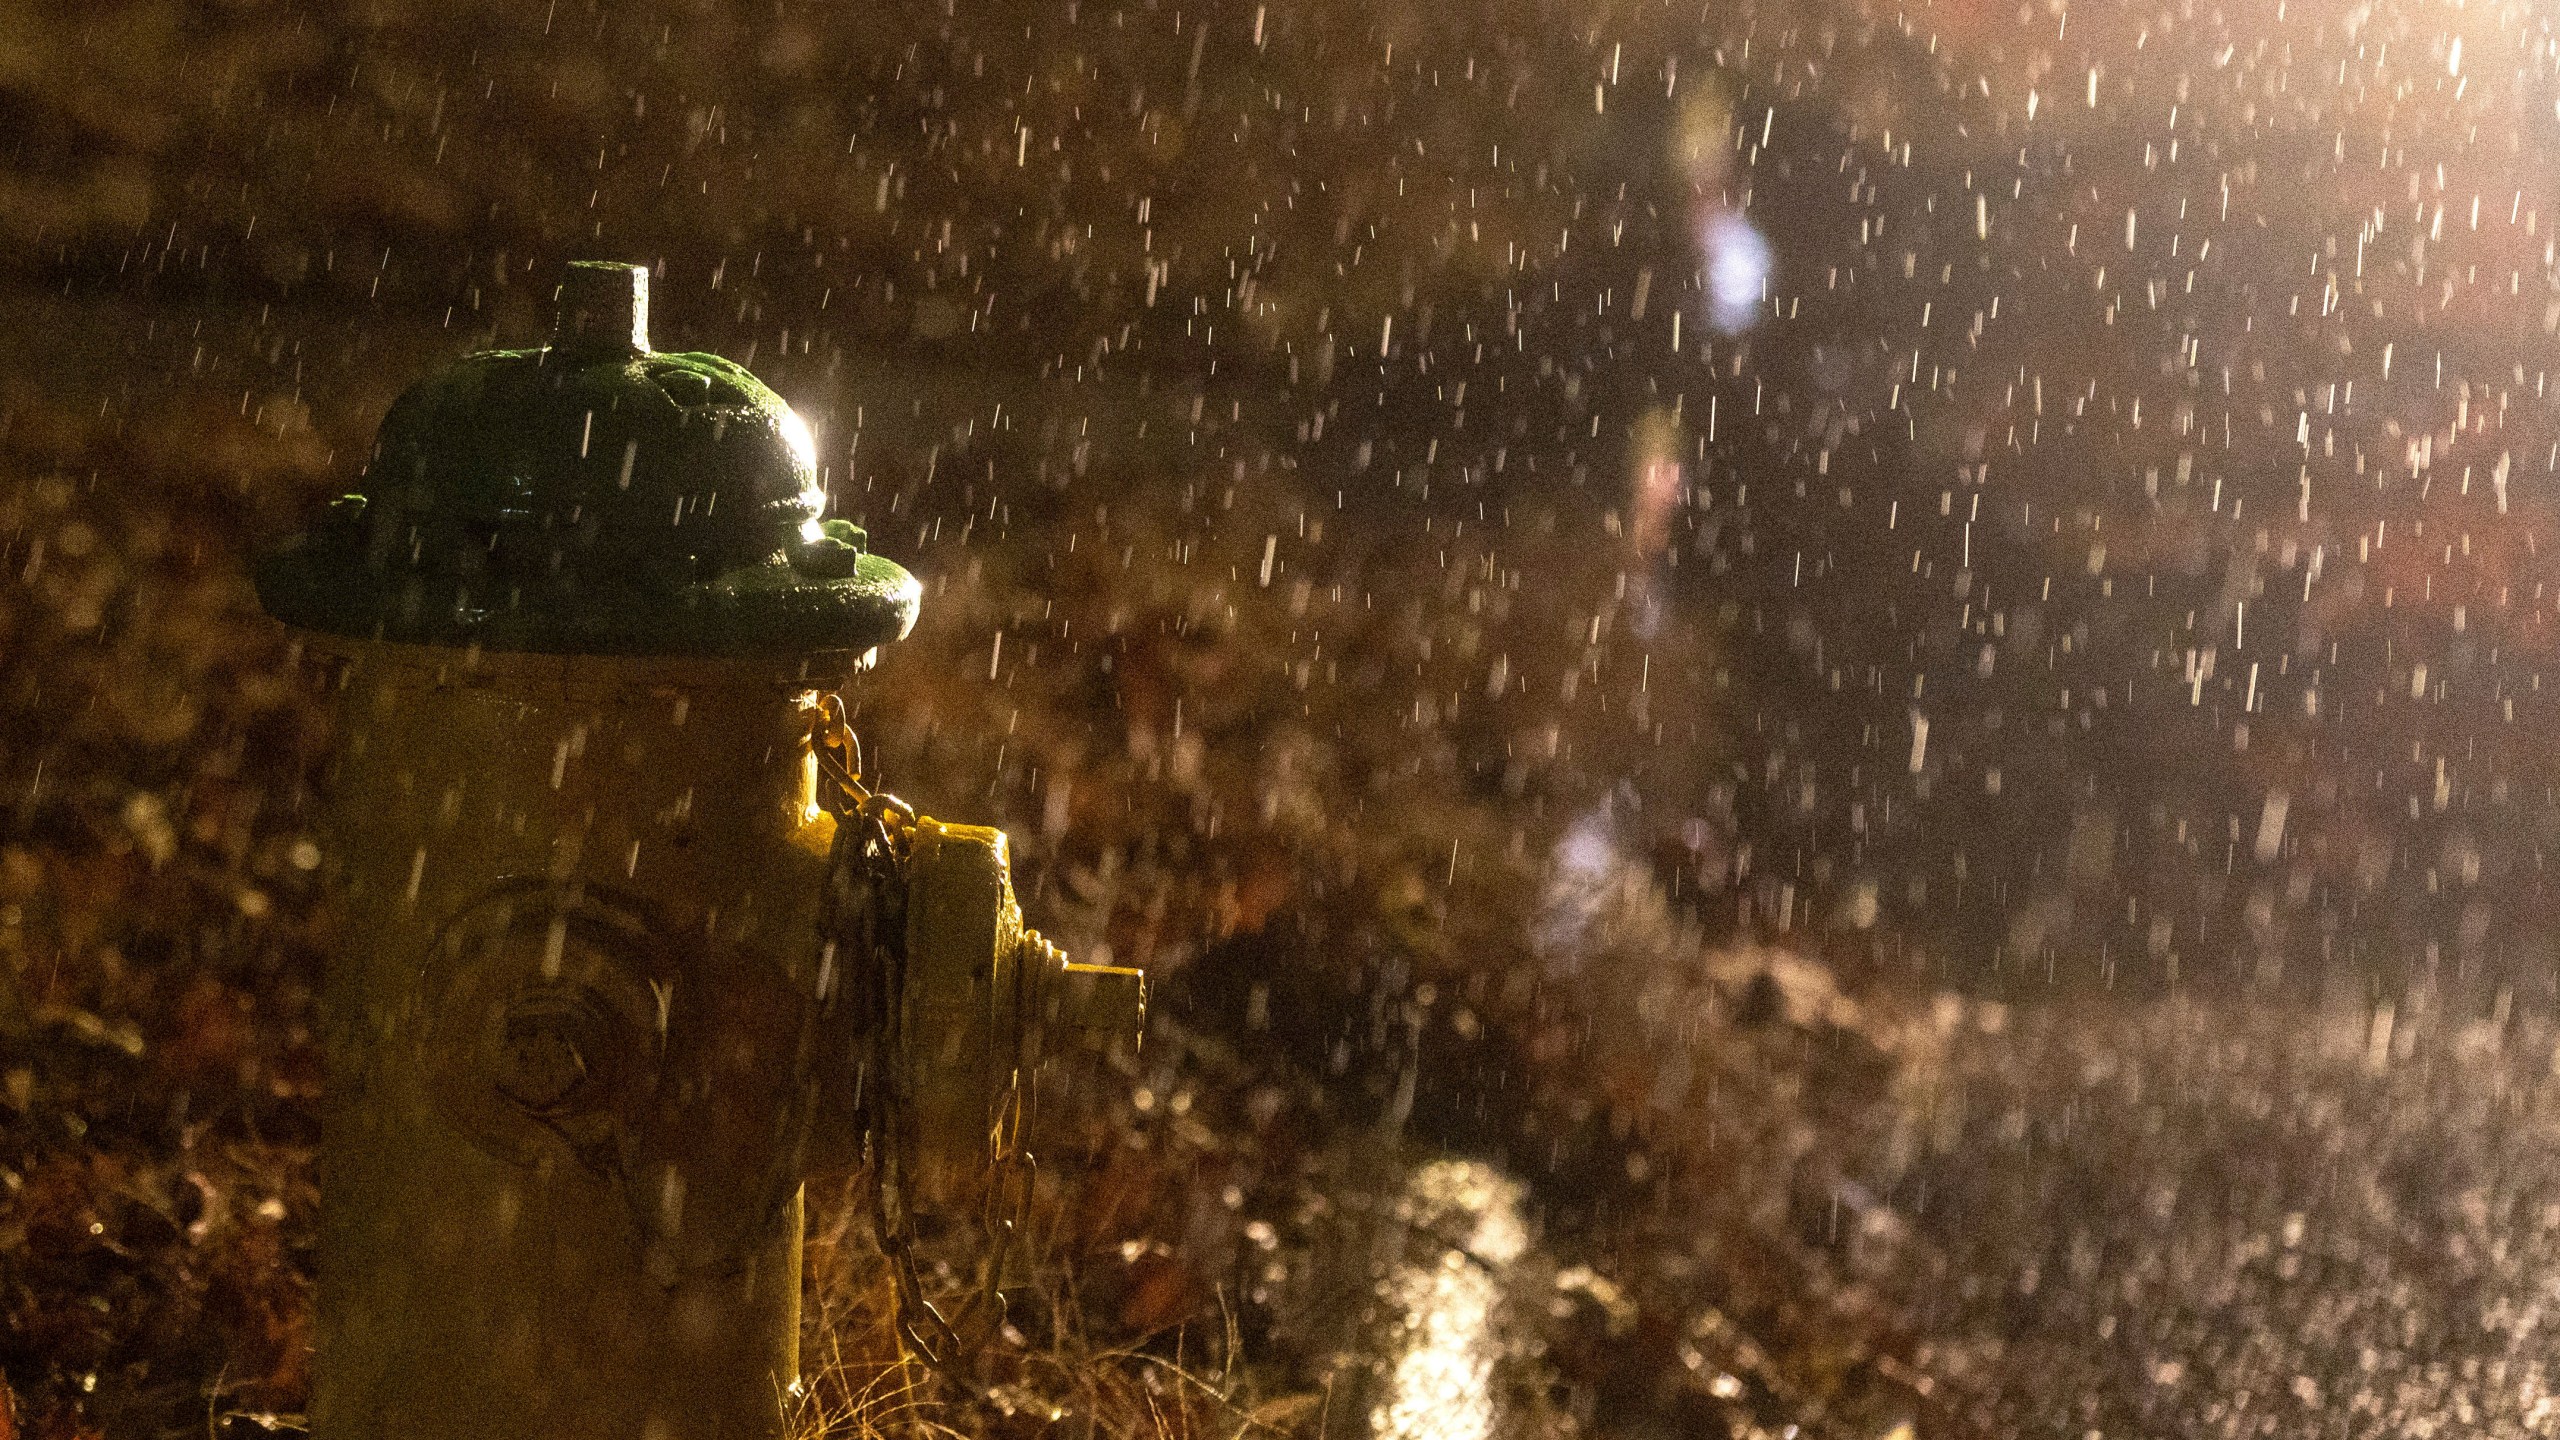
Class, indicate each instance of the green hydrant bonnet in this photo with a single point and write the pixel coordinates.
(592, 497)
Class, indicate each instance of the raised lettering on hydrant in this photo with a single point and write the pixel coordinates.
(608, 971)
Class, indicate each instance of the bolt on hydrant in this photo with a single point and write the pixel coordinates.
(625, 940)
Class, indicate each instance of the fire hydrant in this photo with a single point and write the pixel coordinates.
(624, 940)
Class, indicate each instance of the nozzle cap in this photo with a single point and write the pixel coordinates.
(1099, 1004)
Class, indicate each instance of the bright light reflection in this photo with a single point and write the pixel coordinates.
(1440, 1381)
(1586, 874)
(1442, 1387)
(1659, 483)
(811, 812)
(1738, 266)
(796, 433)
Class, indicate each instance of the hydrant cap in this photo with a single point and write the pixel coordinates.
(595, 497)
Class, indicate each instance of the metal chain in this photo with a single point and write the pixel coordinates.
(870, 869)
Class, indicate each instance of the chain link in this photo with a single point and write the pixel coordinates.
(866, 913)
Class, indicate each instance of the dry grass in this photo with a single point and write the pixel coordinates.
(1065, 1378)
(1138, 1317)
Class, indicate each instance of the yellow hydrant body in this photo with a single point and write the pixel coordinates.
(568, 883)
